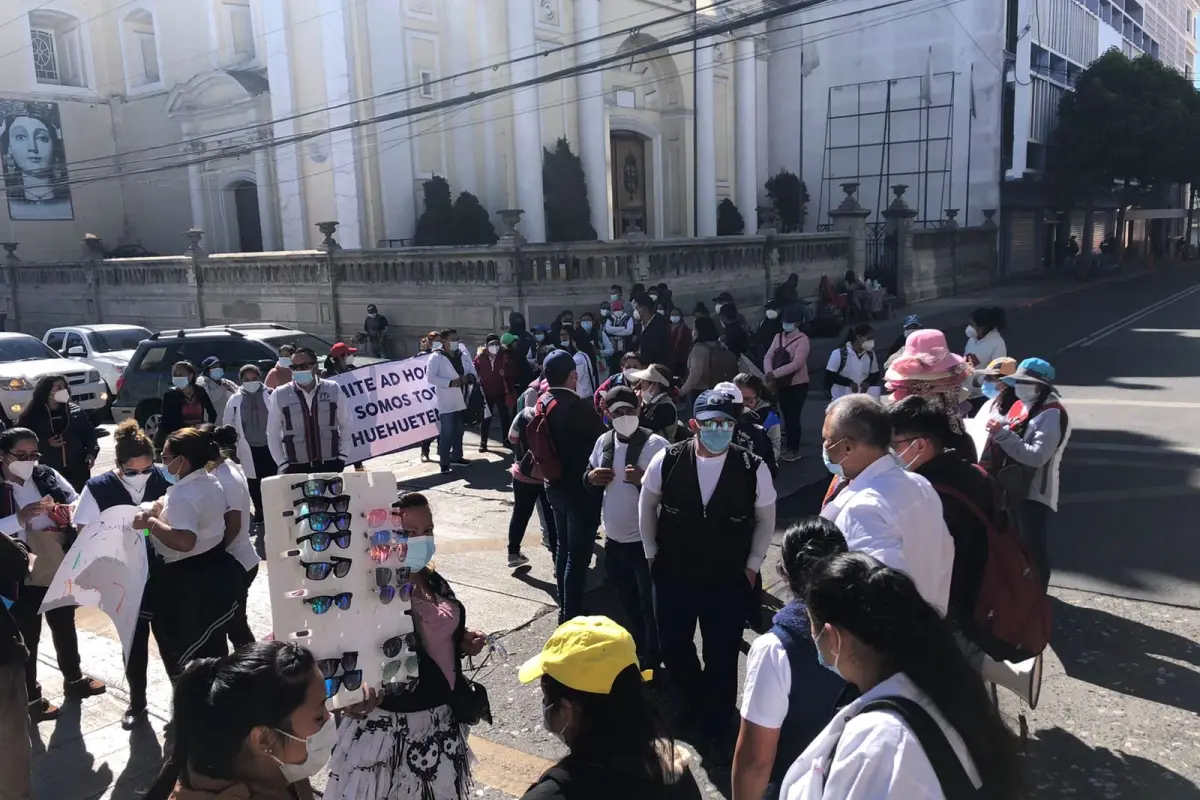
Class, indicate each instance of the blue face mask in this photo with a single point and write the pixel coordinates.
(788, 327)
(216, 374)
(716, 441)
(303, 376)
(821, 658)
(990, 389)
(180, 381)
(835, 469)
(587, 326)
(420, 552)
(539, 337)
(168, 476)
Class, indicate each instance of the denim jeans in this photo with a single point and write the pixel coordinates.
(576, 519)
(527, 497)
(451, 436)
(628, 572)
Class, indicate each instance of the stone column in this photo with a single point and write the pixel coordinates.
(336, 67)
(463, 176)
(706, 141)
(389, 73)
(593, 128)
(527, 125)
(266, 209)
(287, 157)
(196, 192)
(747, 131)
(852, 218)
(899, 218)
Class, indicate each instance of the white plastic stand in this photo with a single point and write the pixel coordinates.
(368, 623)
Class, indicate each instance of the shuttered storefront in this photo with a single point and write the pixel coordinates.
(1021, 244)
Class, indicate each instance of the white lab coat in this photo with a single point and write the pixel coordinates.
(439, 373)
(233, 416)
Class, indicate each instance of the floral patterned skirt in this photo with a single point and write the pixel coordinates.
(422, 755)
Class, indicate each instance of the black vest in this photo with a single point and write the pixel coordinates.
(44, 480)
(712, 542)
(109, 490)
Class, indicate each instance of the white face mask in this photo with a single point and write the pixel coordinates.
(676, 320)
(717, 307)
(436, 346)
(625, 426)
(971, 332)
(772, 314)
(252, 386)
(349, 361)
(320, 748)
(636, 314)
(868, 345)
(1026, 393)
(22, 469)
(494, 349)
(62, 396)
(136, 485)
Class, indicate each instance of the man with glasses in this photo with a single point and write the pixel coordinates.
(308, 421)
(706, 514)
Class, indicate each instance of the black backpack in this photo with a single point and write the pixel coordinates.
(842, 364)
(637, 443)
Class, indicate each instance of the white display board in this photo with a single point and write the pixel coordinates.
(367, 623)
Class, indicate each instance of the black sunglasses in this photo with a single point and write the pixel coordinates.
(309, 505)
(320, 570)
(320, 542)
(322, 521)
(352, 681)
(397, 644)
(330, 666)
(315, 487)
(133, 473)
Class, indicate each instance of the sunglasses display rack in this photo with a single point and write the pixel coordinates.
(337, 581)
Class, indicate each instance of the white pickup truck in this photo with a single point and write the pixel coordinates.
(24, 360)
(106, 348)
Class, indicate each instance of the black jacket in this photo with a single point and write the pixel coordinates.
(173, 402)
(968, 532)
(77, 431)
(14, 567)
(654, 342)
(432, 689)
(574, 429)
(576, 778)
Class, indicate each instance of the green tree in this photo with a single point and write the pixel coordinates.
(472, 223)
(729, 219)
(568, 212)
(790, 198)
(436, 225)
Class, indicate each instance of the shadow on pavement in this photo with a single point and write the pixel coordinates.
(1127, 656)
(145, 760)
(1061, 765)
(62, 763)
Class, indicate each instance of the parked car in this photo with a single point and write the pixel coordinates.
(24, 360)
(148, 376)
(106, 348)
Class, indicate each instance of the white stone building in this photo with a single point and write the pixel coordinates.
(130, 87)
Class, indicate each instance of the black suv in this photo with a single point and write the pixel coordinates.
(148, 376)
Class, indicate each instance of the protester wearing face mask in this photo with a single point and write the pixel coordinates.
(34, 508)
(66, 434)
(786, 364)
(630, 363)
(247, 414)
(853, 367)
(281, 373)
(769, 328)
(308, 421)
(927, 368)
(452, 373)
(788, 696)
(758, 425)
(653, 338)
(615, 469)
(564, 320)
(1000, 396)
(251, 725)
(657, 408)
(339, 361)
(184, 405)
(529, 492)
(922, 440)
(213, 381)
(601, 344)
(679, 337)
(706, 516)
(619, 328)
(583, 351)
(133, 481)
(984, 345)
(374, 755)
(919, 696)
(187, 532)
(1025, 455)
(882, 509)
(497, 371)
(596, 701)
(540, 332)
(376, 328)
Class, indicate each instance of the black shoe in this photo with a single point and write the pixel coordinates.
(84, 687)
(461, 462)
(483, 447)
(445, 470)
(42, 710)
(134, 717)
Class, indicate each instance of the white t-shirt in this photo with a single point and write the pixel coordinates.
(621, 498)
(857, 368)
(708, 471)
(196, 504)
(768, 683)
(27, 493)
(237, 498)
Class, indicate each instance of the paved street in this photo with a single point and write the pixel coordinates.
(1122, 692)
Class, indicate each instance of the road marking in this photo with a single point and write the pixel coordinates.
(1187, 333)
(1159, 450)
(1113, 327)
(1100, 401)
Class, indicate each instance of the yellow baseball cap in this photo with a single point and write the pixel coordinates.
(999, 368)
(586, 654)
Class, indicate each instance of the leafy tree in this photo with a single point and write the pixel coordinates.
(436, 225)
(729, 219)
(472, 223)
(568, 212)
(790, 197)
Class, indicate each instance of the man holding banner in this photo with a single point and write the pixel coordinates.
(308, 424)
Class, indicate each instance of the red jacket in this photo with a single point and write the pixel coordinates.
(680, 338)
(499, 379)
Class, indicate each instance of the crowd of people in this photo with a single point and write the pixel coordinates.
(870, 682)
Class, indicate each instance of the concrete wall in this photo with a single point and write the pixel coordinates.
(949, 261)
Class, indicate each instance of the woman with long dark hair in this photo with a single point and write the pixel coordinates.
(596, 701)
(184, 405)
(133, 481)
(248, 725)
(924, 725)
(66, 435)
(237, 520)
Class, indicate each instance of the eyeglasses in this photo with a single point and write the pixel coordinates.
(133, 473)
(25, 456)
(315, 487)
(408, 664)
(320, 521)
(322, 603)
(320, 570)
(310, 505)
(398, 644)
(330, 666)
(320, 542)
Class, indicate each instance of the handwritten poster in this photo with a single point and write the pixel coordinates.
(106, 568)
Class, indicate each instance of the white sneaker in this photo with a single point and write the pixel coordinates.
(517, 560)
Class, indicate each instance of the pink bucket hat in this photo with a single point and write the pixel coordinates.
(926, 358)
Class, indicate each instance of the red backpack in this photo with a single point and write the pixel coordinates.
(1011, 619)
(546, 465)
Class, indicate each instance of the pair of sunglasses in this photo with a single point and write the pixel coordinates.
(310, 505)
(350, 679)
(384, 576)
(320, 570)
(320, 542)
(389, 593)
(409, 665)
(397, 644)
(330, 666)
(133, 473)
(321, 521)
(322, 603)
(315, 487)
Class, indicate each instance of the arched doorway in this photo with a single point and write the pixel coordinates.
(247, 223)
(630, 193)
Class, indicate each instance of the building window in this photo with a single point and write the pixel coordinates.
(141, 49)
(241, 30)
(56, 49)
(426, 84)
